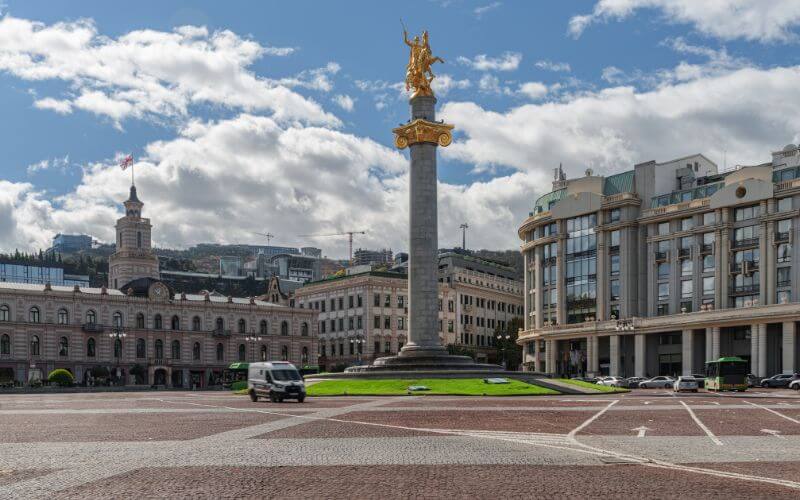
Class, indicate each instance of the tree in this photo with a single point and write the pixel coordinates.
(508, 348)
(61, 377)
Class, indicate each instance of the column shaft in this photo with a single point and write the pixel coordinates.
(762, 350)
(613, 351)
(754, 349)
(537, 364)
(788, 347)
(687, 352)
(715, 342)
(640, 354)
(708, 344)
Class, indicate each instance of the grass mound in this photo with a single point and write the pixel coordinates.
(589, 385)
(399, 387)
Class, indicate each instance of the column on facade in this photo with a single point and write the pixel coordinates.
(687, 352)
(593, 357)
(538, 296)
(764, 252)
(762, 350)
(722, 246)
(560, 288)
(526, 291)
(768, 264)
(602, 272)
(640, 355)
(537, 353)
(715, 331)
(548, 356)
(754, 345)
(613, 352)
(708, 344)
(788, 347)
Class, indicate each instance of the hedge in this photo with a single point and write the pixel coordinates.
(61, 377)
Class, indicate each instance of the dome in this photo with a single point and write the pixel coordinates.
(789, 147)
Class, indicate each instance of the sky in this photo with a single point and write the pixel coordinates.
(255, 117)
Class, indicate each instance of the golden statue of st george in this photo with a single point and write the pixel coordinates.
(418, 70)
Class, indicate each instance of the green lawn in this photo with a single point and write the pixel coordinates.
(397, 387)
(589, 385)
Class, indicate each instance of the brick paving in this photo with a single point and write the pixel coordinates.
(217, 445)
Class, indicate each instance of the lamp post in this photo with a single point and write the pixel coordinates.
(357, 344)
(253, 339)
(117, 334)
(503, 339)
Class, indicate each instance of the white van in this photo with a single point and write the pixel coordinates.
(277, 379)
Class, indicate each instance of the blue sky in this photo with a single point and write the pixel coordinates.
(276, 116)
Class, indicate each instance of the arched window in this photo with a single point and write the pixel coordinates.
(5, 313)
(138, 239)
(196, 324)
(140, 320)
(220, 324)
(159, 349)
(304, 330)
(157, 322)
(176, 323)
(196, 351)
(141, 348)
(304, 357)
(220, 352)
(263, 353)
(262, 327)
(5, 344)
(242, 352)
(176, 349)
(35, 345)
(63, 317)
(117, 318)
(33, 315)
(242, 325)
(117, 348)
(284, 328)
(90, 348)
(63, 347)
(91, 317)
(285, 353)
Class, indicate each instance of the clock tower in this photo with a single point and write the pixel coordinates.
(134, 257)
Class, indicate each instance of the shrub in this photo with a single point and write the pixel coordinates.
(61, 377)
(99, 371)
(239, 385)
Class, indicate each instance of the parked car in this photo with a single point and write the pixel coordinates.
(687, 383)
(613, 382)
(795, 384)
(779, 380)
(752, 380)
(633, 382)
(660, 382)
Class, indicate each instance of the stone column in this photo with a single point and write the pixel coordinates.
(754, 345)
(537, 353)
(561, 289)
(602, 273)
(549, 348)
(526, 291)
(768, 265)
(687, 352)
(423, 266)
(640, 353)
(538, 296)
(613, 353)
(593, 355)
(715, 342)
(762, 350)
(708, 344)
(788, 347)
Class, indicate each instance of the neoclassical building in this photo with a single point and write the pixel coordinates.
(173, 338)
(660, 268)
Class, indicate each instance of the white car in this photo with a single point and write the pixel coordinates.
(685, 384)
(660, 382)
(795, 384)
(612, 381)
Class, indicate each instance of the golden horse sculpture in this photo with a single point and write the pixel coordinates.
(418, 70)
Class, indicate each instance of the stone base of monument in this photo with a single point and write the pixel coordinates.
(436, 359)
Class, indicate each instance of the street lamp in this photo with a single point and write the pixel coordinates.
(501, 338)
(357, 344)
(117, 334)
(253, 339)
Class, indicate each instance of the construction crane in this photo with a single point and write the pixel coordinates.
(268, 236)
(349, 234)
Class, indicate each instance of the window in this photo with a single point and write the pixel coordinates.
(33, 315)
(220, 352)
(401, 323)
(614, 289)
(159, 345)
(784, 296)
(141, 348)
(784, 253)
(176, 349)
(158, 323)
(322, 303)
(663, 270)
(708, 238)
(708, 263)
(285, 353)
(376, 300)
(746, 235)
(220, 324)
(614, 239)
(304, 330)
(242, 325)
(746, 213)
(450, 327)
(90, 348)
(387, 322)
(708, 285)
(663, 228)
(709, 218)
(91, 317)
(263, 352)
(387, 301)
(376, 323)
(333, 304)
(359, 323)
(63, 347)
(687, 224)
(304, 355)
(63, 317)
(196, 351)
(5, 344)
(350, 323)
(284, 328)
(138, 239)
(614, 215)
(686, 242)
(663, 291)
(401, 302)
(242, 352)
(359, 301)
(662, 310)
(341, 303)
(196, 324)
(784, 276)
(333, 325)
(350, 301)
(262, 327)
(35, 345)
(687, 288)
(784, 204)
(5, 313)
(140, 320)
(687, 265)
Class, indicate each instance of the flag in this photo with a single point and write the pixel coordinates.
(126, 162)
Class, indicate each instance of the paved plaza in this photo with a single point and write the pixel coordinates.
(645, 444)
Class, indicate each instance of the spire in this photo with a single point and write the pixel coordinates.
(133, 196)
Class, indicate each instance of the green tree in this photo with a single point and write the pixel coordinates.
(507, 347)
(61, 377)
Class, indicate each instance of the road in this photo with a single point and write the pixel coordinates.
(649, 443)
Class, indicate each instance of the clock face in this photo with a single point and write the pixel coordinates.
(158, 291)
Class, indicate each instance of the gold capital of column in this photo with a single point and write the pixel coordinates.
(421, 130)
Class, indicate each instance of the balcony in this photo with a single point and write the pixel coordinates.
(745, 290)
(684, 252)
(220, 333)
(784, 283)
(747, 267)
(707, 248)
(92, 328)
(160, 362)
(745, 242)
(782, 236)
(661, 256)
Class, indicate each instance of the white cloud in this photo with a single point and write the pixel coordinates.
(148, 73)
(533, 90)
(758, 20)
(508, 61)
(345, 102)
(47, 164)
(483, 9)
(553, 66)
(444, 83)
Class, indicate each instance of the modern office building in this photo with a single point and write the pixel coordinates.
(24, 273)
(70, 243)
(372, 257)
(230, 266)
(660, 268)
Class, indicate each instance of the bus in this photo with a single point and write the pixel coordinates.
(726, 374)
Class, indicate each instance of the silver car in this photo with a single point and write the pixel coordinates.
(685, 384)
(660, 382)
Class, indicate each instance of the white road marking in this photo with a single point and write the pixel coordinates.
(790, 419)
(642, 431)
(702, 425)
(592, 419)
(775, 433)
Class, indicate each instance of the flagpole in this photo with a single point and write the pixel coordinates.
(132, 183)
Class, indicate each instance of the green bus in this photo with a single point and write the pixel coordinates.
(726, 374)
